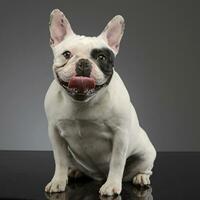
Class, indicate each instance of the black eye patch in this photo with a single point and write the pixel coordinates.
(104, 58)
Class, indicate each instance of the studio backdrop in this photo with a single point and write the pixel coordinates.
(158, 62)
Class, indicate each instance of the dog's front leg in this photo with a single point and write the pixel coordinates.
(113, 184)
(60, 178)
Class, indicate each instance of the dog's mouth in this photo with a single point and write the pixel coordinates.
(81, 87)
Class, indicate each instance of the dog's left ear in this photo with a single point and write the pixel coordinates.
(59, 27)
(113, 32)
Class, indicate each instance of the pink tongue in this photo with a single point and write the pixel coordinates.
(82, 83)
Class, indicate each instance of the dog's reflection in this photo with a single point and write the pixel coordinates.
(90, 191)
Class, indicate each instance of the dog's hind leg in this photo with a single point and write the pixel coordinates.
(138, 167)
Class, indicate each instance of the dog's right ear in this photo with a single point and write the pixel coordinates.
(59, 27)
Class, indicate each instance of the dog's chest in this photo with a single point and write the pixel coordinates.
(86, 135)
(83, 128)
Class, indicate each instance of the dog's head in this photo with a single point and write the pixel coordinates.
(83, 65)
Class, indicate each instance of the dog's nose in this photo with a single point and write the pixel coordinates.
(83, 67)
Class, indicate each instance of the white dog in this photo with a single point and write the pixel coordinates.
(93, 127)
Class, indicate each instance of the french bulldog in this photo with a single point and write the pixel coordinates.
(92, 124)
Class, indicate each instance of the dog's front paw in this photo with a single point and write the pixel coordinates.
(141, 179)
(110, 188)
(56, 185)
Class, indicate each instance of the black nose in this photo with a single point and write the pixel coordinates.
(83, 67)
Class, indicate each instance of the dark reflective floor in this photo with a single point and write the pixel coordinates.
(23, 175)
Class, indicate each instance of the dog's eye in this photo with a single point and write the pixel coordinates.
(101, 57)
(67, 54)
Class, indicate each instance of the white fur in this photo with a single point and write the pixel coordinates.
(80, 47)
(97, 137)
(91, 128)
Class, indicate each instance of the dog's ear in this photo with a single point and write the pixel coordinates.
(113, 32)
(59, 27)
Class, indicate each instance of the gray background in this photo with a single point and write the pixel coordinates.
(158, 61)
